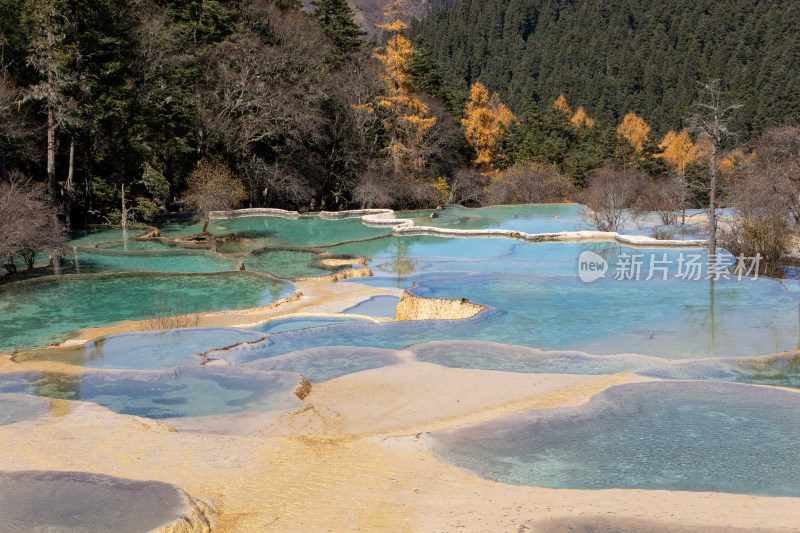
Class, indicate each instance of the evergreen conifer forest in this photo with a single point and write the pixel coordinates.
(109, 106)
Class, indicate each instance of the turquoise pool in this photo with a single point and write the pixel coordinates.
(685, 436)
(308, 231)
(296, 323)
(144, 350)
(286, 264)
(44, 311)
(377, 306)
(398, 261)
(157, 261)
(322, 364)
(192, 391)
(673, 318)
(703, 430)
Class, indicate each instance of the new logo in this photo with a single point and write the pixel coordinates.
(591, 266)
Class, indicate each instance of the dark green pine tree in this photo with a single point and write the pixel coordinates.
(650, 163)
(336, 19)
(425, 77)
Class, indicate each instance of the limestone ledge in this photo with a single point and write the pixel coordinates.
(254, 212)
(337, 262)
(199, 518)
(405, 226)
(277, 303)
(411, 307)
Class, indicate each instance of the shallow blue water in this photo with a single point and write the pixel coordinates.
(375, 306)
(539, 218)
(182, 227)
(322, 364)
(508, 358)
(41, 312)
(139, 245)
(309, 231)
(672, 318)
(92, 235)
(781, 370)
(160, 261)
(535, 218)
(398, 261)
(286, 264)
(19, 407)
(687, 436)
(179, 392)
(291, 324)
(145, 350)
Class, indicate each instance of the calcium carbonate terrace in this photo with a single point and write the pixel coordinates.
(705, 369)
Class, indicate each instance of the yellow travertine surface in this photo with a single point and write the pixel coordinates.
(352, 459)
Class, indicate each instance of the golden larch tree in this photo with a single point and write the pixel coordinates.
(580, 118)
(562, 105)
(499, 109)
(635, 129)
(736, 158)
(484, 118)
(406, 116)
(677, 149)
(701, 150)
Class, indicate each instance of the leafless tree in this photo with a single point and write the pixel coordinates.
(711, 119)
(28, 223)
(530, 183)
(377, 186)
(255, 98)
(211, 186)
(762, 224)
(777, 160)
(765, 195)
(611, 193)
(663, 195)
(15, 127)
(468, 187)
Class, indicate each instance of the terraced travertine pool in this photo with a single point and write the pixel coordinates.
(696, 423)
(688, 436)
(42, 311)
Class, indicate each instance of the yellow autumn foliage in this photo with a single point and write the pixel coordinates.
(580, 118)
(406, 118)
(677, 150)
(635, 129)
(483, 120)
(561, 103)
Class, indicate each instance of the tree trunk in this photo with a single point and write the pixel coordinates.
(3, 167)
(124, 220)
(87, 186)
(51, 157)
(684, 186)
(69, 186)
(712, 211)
